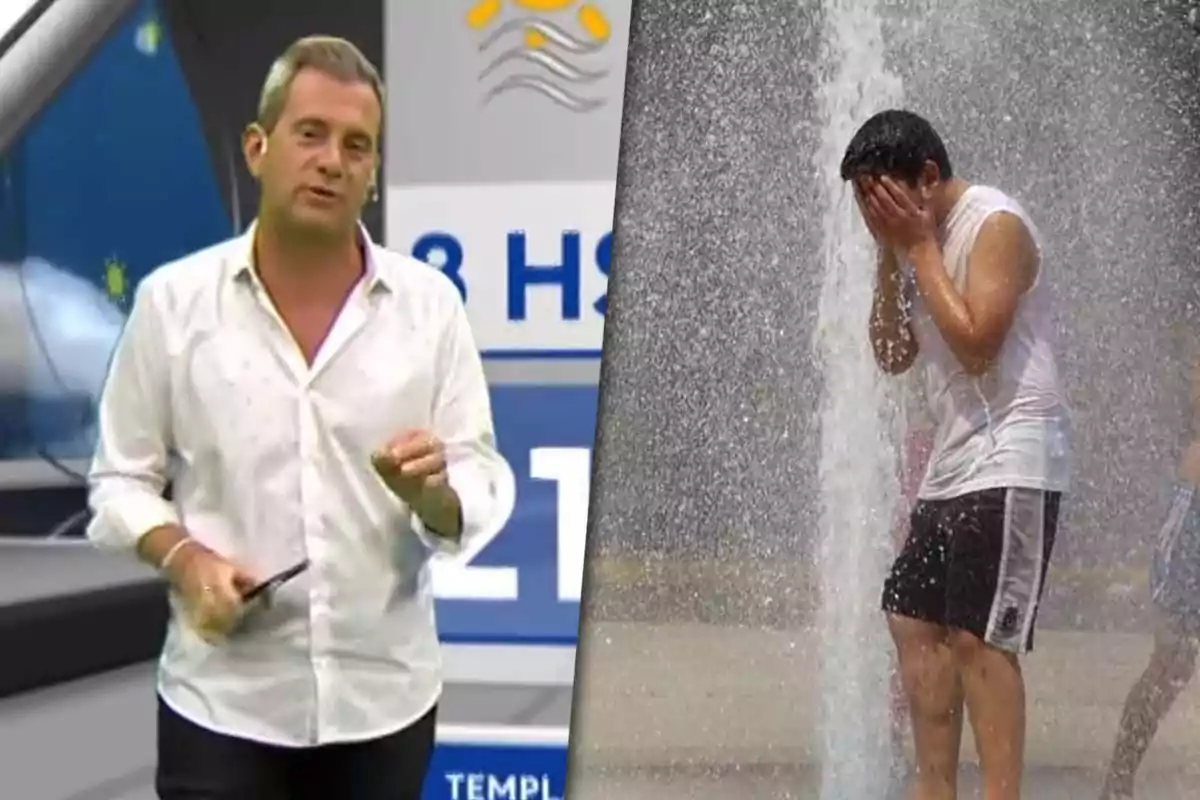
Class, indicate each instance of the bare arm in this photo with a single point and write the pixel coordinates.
(1195, 389)
(1001, 267)
(1189, 463)
(891, 334)
(1194, 398)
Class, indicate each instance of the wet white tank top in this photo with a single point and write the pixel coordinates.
(1009, 427)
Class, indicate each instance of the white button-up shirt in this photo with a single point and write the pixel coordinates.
(270, 459)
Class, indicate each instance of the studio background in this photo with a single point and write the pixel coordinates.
(129, 157)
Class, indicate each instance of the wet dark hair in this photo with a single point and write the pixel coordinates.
(896, 143)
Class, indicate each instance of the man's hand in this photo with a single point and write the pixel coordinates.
(893, 215)
(412, 464)
(211, 588)
(861, 188)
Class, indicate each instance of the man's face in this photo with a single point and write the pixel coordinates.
(319, 165)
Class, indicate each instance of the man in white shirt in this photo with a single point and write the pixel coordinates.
(314, 397)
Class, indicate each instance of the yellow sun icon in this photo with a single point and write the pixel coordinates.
(556, 53)
(590, 18)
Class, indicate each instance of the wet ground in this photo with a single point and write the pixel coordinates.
(701, 711)
(790, 783)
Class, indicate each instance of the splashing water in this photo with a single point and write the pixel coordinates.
(859, 487)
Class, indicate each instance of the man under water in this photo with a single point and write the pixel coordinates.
(961, 296)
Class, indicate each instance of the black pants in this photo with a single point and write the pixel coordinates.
(196, 764)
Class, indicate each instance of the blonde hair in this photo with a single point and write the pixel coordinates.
(329, 55)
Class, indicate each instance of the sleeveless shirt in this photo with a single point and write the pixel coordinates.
(1009, 427)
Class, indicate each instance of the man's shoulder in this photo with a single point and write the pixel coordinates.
(195, 272)
(1004, 221)
(415, 278)
(1000, 202)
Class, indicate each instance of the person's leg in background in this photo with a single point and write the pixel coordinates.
(197, 764)
(1172, 666)
(392, 767)
(914, 599)
(1000, 549)
(1175, 592)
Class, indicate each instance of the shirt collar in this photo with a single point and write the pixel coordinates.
(242, 260)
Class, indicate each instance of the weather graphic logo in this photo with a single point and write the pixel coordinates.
(549, 51)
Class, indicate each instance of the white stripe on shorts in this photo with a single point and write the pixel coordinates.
(1172, 529)
(1021, 570)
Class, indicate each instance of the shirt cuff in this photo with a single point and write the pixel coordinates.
(121, 524)
(477, 501)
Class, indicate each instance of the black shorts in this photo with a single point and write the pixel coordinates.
(977, 563)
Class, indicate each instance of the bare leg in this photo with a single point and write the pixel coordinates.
(1172, 665)
(900, 720)
(935, 699)
(995, 696)
(897, 694)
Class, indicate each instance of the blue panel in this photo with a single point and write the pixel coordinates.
(528, 417)
(117, 167)
(480, 772)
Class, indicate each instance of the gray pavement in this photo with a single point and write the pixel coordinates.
(800, 783)
(692, 710)
(722, 695)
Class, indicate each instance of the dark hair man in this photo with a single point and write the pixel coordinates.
(961, 293)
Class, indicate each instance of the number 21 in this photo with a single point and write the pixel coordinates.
(570, 469)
